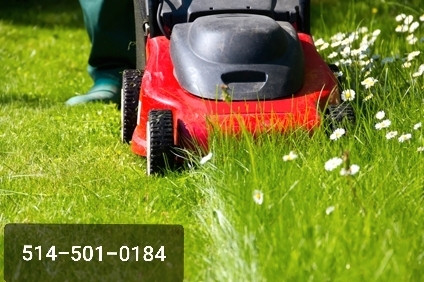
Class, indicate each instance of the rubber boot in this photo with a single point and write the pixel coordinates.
(111, 30)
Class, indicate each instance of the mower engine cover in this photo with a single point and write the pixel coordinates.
(253, 56)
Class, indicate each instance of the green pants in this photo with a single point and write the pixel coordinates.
(110, 26)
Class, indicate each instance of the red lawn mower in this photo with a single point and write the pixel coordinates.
(233, 65)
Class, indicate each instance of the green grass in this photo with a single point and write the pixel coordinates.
(67, 165)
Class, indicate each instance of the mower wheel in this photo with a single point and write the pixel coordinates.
(141, 19)
(160, 141)
(339, 116)
(336, 70)
(131, 80)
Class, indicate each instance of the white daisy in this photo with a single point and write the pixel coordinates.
(355, 52)
(413, 26)
(333, 55)
(400, 17)
(329, 210)
(412, 39)
(319, 42)
(339, 36)
(369, 97)
(391, 134)
(333, 163)
(367, 73)
(337, 134)
(258, 197)
(420, 149)
(417, 126)
(408, 20)
(346, 62)
(380, 115)
(404, 137)
(335, 44)
(419, 72)
(402, 28)
(348, 95)
(376, 32)
(365, 63)
(384, 124)
(412, 55)
(291, 156)
(345, 52)
(406, 65)
(369, 82)
(352, 170)
(324, 46)
(338, 74)
(363, 29)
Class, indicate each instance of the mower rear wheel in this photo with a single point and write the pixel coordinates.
(336, 71)
(339, 116)
(131, 80)
(141, 19)
(160, 141)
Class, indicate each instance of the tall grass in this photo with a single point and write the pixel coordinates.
(315, 224)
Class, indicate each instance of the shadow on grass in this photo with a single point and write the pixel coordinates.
(38, 101)
(44, 13)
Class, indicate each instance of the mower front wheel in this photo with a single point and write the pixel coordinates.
(160, 141)
(339, 116)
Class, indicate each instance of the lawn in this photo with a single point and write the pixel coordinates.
(254, 211)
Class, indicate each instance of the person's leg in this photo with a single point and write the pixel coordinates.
(110, 26)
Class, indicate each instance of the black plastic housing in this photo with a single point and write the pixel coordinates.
(252, 57)
(180, 11)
